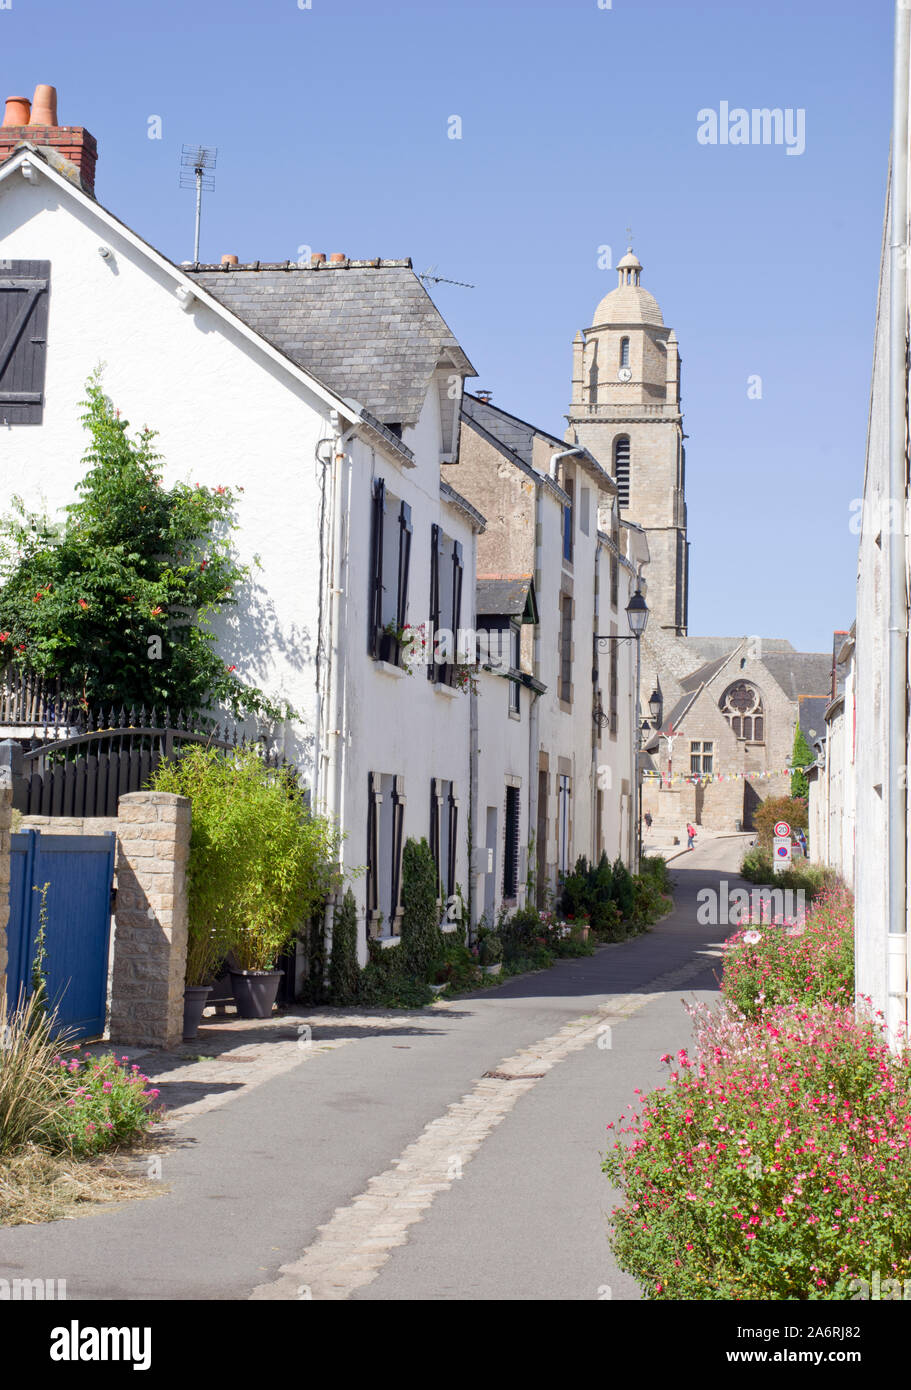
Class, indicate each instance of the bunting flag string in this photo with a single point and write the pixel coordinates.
(704, 778)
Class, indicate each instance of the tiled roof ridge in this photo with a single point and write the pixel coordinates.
(377, 263)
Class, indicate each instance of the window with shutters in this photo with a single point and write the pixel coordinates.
(566, 649)
(569, 488)
(622, 468)
(563, 808)
(385, 844)
(515, 663)
(511, 845)
(389, 575)
(24, 291)
(444, 826)
(446, 583)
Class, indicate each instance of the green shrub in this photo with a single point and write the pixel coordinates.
(105, 1102)
(757, 866)
(792, 809)
(649, 904)
(457, 967)
(622, 889)
(490, 948)
(387, 981)
(773, 1167)
(422, 940)
(802, 962)
(654, 868)
(259, 861)
(344, 970)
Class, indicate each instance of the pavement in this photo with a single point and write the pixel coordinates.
(446, 1153)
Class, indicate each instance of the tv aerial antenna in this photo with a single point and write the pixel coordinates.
(441, 279)
(197, 164)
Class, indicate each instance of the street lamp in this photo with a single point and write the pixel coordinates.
(656, 705)
(637, 616)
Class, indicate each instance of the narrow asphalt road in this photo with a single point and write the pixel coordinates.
(519, 1207)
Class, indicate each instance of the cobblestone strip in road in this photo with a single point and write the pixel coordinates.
(360, 1237)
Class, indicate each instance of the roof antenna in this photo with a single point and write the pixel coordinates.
(195, 161)
(441, 280)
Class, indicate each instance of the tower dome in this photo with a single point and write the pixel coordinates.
(629, 302)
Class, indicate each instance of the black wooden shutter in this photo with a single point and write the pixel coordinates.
(453, 834)
(404, 562)
(374, 803)
(511, 846)
(376, 568)
(436, 822)
(24, 288)
(398, 847)
(457, 572)
(436, 546)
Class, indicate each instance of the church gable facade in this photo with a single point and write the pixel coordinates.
(725, 743)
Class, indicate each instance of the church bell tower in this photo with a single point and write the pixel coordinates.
(626, 410)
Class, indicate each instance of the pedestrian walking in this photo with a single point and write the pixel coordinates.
(802, 841)
(648, 820)
(690, 835)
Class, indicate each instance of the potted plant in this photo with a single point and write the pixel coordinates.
(259, 863)
(490, 953)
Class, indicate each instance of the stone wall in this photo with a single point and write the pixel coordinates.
(150, 933)
(150, 924)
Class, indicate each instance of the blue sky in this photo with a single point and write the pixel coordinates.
(331, 125)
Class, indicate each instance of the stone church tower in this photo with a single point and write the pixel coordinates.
(626, 411)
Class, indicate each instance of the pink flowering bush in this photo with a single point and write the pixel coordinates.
(775, 1165)
(794, 962)
(104, 1101)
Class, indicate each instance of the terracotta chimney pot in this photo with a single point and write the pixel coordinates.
(44, 106)
(317, 258)
(338, 257)
(229, 260)
(18, 110)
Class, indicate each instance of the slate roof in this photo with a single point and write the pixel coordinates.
(800, 673)
(812, 716)
(704, 674)
(505, 595)
(366, 329)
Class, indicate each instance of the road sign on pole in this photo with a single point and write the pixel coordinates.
(782, 829)
(781, 851)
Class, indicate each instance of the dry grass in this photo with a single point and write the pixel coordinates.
(39, 1186)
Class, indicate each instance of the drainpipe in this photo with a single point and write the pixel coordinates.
(555, 460)
(338, 572)
(897, 980)
(596, 729)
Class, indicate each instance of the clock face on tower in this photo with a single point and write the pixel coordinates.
(624, 374)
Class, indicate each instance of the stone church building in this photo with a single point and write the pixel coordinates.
(729, 705)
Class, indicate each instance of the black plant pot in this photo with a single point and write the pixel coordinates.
(389, 649)
(255, 991)
(195, 998)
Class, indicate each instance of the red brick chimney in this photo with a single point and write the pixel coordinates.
(68, 142)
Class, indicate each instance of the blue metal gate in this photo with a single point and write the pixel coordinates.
(79, 870)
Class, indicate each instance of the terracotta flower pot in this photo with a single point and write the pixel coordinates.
(18, 110)
(44, 105)
(255, 991)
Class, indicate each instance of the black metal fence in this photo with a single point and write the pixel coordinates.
(74, 764)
